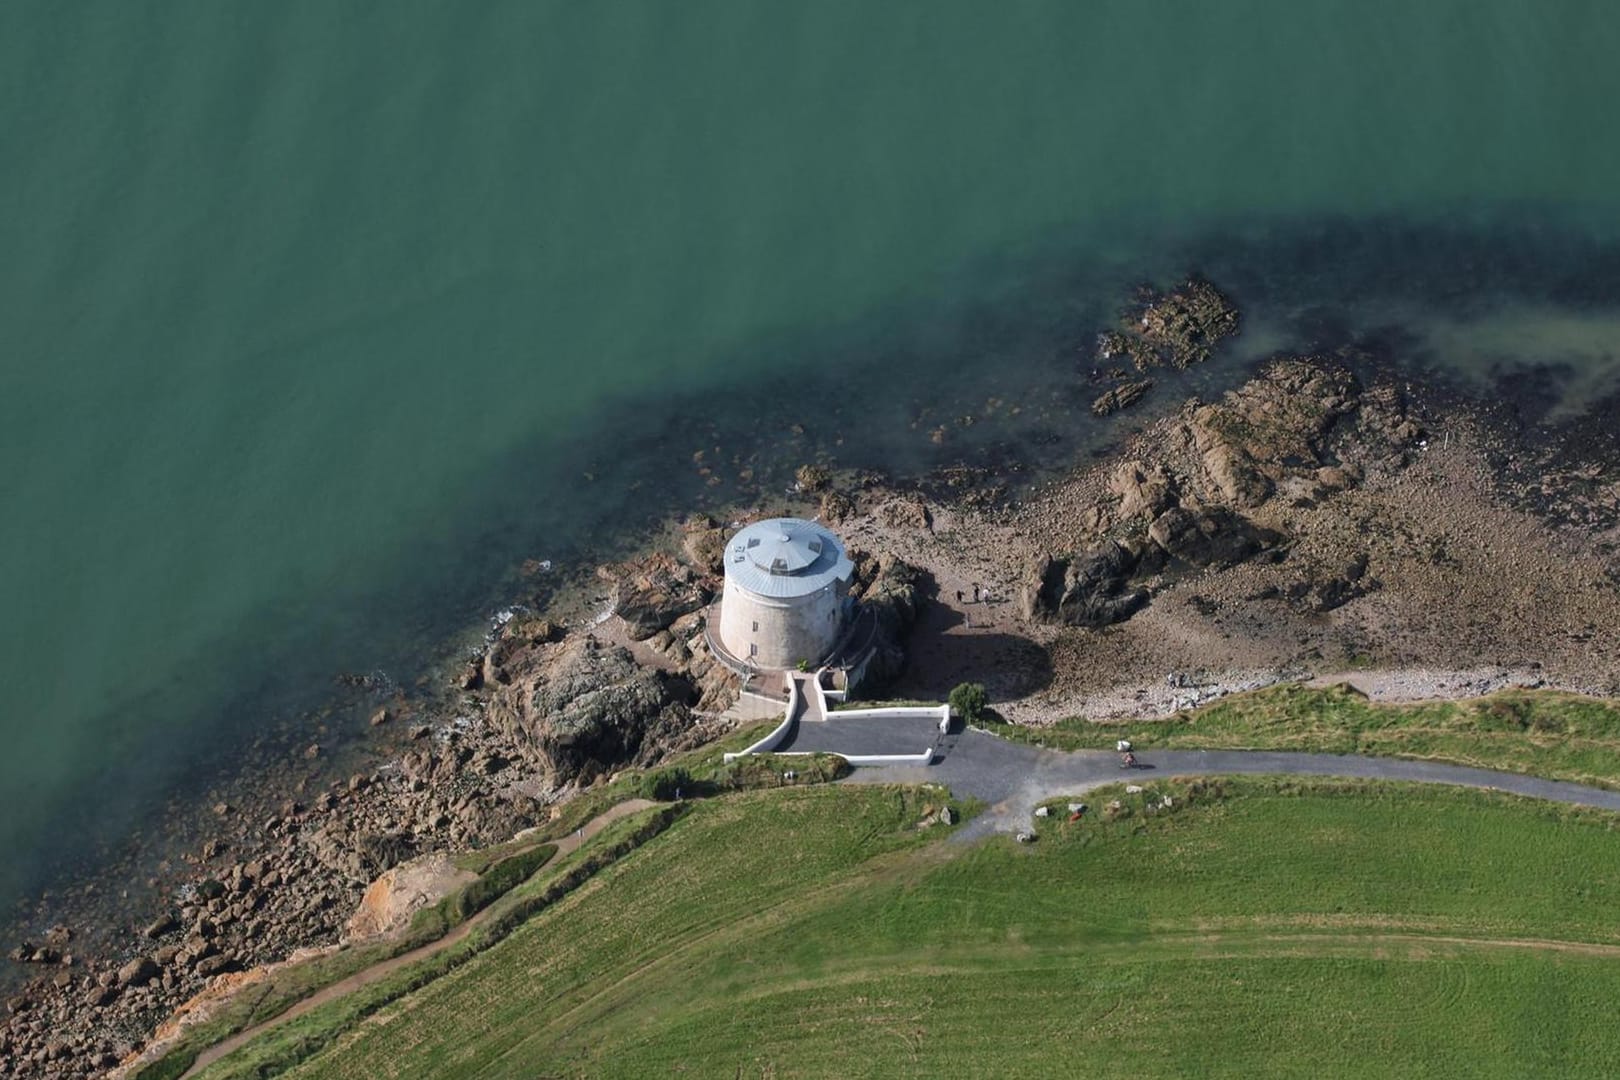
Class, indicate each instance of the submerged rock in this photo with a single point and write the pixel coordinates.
(1179, 328)
(1121, 397)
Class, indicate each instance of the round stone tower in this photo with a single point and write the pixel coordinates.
(786, 598)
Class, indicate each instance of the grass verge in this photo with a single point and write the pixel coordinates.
(1545, 733)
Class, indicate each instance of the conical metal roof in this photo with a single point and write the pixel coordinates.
(784, 557)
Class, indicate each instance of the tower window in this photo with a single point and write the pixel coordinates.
(753, 650)
(756, 626)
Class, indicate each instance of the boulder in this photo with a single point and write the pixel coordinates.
(836, 507)
(905, 513)
(703, 542)
(1089, 589)
(98, 996)
(811, 478)
(214, 965)
(1208, 536)
(138, 972)
(1338, 477)
(1143, 491)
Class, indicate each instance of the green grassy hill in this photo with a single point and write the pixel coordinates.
(1254, 927)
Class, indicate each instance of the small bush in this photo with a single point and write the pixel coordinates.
(969, 701)
(666, 784)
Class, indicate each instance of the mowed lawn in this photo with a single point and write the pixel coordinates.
(1276, 929)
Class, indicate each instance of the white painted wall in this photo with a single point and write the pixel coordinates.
(940, 714)
(774, 739)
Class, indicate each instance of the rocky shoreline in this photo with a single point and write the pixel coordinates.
(1327, 517)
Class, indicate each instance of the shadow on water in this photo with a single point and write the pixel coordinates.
(990, 370)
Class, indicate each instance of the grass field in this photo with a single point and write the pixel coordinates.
(1555, 735)
(1258, 927)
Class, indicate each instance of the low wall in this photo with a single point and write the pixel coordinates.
(774, 739)
(940, 714)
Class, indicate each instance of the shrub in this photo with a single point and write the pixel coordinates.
(969, 701)
(666, 784)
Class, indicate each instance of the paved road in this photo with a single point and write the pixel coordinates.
(866, 735)
(1013, 778)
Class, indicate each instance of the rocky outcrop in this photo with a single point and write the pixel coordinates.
(651, 594)
(584, 708)
(1179, 328)
(703, 542)
(1144, 491)
(1208, 536)
(1322, 590)
(888, 589)
(1257, 434)
(1090, 589)
(1213, 499)
(1120, 397)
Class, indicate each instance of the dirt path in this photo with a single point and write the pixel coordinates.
(367, 976)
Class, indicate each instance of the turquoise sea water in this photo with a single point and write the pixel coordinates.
(309, 311)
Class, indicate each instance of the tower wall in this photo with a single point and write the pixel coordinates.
(773, 632)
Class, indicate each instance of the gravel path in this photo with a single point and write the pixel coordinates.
(1013, 778)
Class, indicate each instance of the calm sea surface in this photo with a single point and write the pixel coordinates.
(313, 315)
